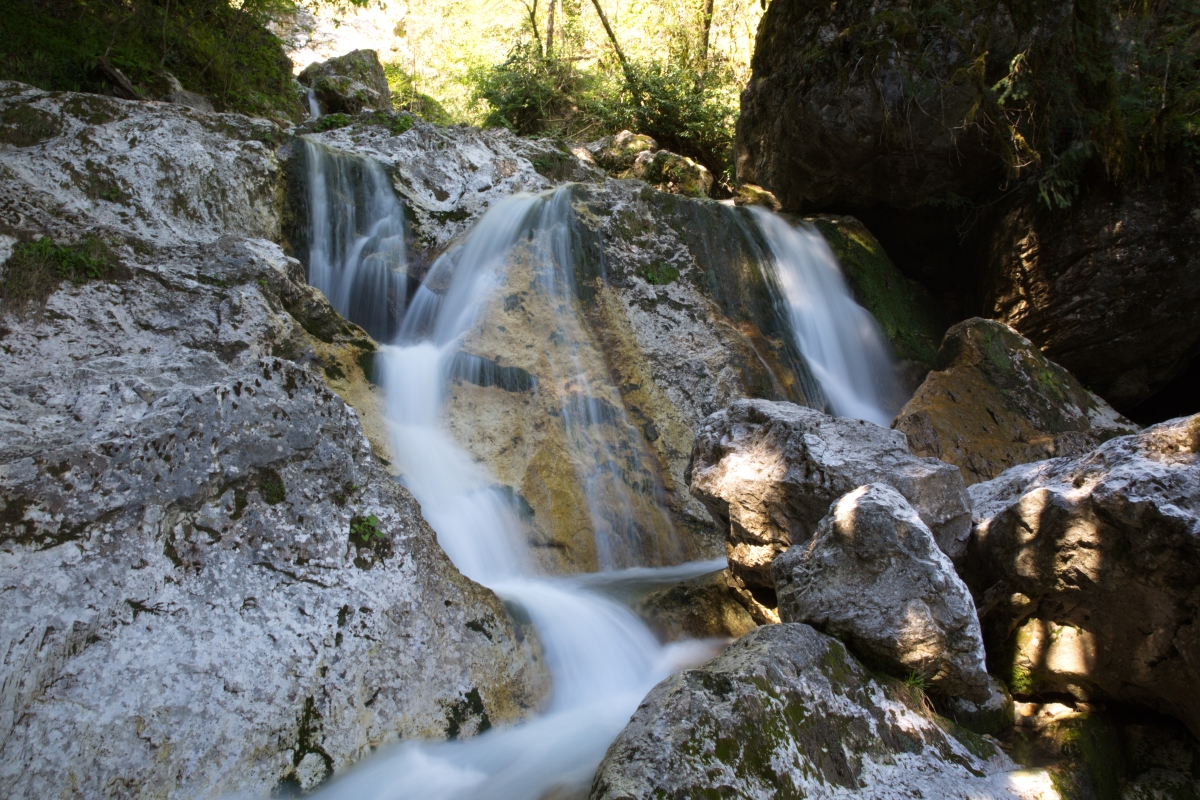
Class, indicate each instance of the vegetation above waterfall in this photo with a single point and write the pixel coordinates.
(132, 48)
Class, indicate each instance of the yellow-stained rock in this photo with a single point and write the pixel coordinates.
(995, 401)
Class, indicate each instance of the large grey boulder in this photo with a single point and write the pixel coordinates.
(768, 472)
(349, 83)
(786, 712)
(211, 583)
(1087, 572)
(163, 173)
(874, 577)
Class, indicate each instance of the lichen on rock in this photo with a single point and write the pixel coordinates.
(786, 712)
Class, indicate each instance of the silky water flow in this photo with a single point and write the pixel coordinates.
(601, 658)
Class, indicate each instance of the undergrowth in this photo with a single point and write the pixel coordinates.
(36, 269)
(688, 112)
(214, 47)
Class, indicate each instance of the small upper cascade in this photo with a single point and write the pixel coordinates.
(842, 344)
(356, 251)
(524, 251)
(314, 107)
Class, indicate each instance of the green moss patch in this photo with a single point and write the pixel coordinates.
(213, 47)
(36, 269)
(910, 317)
(25, 126)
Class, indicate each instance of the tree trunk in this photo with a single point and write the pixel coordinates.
(550, 29)
(705, 33)
(537, 37)
(612, 37)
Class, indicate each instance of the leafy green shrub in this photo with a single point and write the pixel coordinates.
(212, 47)
(688, 113)
(36, 269)
(406, 97)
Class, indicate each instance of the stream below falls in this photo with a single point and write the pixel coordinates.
(602, 658)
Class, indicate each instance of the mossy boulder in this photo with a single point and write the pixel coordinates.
(349, 83)
(787, 712)
(615, 154)
(995, 401)
(673, 173)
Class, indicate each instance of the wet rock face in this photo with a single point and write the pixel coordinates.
(830, 123)
(699, 608)
(768, 473)
(1109, 288)
(348, 84)
(211, 583)
(873, 576)
(786, 712)
(1086, 570)
(995, 401)
(162, 173)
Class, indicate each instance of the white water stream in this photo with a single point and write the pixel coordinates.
(841, 342)
(602, 659)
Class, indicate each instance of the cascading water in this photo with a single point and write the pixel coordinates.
(602, 659)
(356, 239)
(841, 342)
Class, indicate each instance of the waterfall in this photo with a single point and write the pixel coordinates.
(841, 342)
(602, 659)
(314, 108)
(355, 239)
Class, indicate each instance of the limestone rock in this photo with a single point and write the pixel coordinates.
(673, 173)
(211, 583)
(769, 471)
(787, 712)
(1109, 288)
(699, 608)
(995, 401)
(1086, 571)
(159, 172)
(824, 132)
(350, 83)
(616, 154)
(873, 576)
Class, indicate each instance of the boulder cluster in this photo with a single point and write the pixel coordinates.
(1070, 583)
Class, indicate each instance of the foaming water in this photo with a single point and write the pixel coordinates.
(841, 342)
(356, 251)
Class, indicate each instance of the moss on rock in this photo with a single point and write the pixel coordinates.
(910, 317)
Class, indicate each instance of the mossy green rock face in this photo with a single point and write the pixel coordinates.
(348, 84)
(787, 713)
(907, 312)
(995, 401)
(673, 173)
